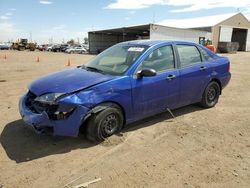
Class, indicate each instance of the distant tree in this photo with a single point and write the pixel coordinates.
(86, 40)
(71, 42)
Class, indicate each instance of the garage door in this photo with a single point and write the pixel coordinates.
(226, 34)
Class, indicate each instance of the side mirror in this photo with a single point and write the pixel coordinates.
(146, 73)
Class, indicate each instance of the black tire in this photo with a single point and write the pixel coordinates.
(105, 123)
(211, 95)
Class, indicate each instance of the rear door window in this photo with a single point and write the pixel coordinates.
(188, 55)
(205, 55)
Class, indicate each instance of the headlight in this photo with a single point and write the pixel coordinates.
(49, 98)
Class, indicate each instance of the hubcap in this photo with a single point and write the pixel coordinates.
(110, 124)
(211, 94)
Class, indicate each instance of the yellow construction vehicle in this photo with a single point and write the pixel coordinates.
(22, 44)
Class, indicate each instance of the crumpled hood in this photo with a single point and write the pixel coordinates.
(67, 81)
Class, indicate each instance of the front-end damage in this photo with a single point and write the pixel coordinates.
(69, 112)
(63, 118)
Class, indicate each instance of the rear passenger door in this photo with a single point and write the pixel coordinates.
(194, 73)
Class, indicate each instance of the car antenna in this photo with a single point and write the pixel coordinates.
(170, 113)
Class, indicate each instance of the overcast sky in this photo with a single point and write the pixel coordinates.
(66, 19)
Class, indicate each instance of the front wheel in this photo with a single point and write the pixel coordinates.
(211, 95)
(104, 123)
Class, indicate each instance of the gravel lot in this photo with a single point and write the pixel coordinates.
(199, 148)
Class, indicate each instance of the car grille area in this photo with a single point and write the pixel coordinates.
(50, 109)
(29, 102)
(38, 107)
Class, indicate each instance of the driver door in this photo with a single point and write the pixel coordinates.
(155, 94)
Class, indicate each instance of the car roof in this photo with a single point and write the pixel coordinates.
(154, 42)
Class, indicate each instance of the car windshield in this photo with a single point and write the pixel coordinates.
(116, 60)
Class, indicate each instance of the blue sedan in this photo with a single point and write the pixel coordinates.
(125, 83)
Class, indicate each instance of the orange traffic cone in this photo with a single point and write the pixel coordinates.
(37, 59)
(69, 63)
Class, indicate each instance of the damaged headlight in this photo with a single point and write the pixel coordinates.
(49, 98)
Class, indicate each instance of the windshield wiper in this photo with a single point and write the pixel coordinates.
(94, 69)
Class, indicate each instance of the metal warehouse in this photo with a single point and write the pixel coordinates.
(100, 40)
(219, 28)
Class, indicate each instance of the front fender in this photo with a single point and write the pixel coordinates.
(116, 91)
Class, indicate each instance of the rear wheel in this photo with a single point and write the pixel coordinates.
(104, 123)
(211, 95)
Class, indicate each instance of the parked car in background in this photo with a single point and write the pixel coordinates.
(125, 83)
(56, 48)
(49, 47)
(86, 46)
(78, 50)
(4, 47)
(42, 47)
(63, 47)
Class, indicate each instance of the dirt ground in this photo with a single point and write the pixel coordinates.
(199, 148)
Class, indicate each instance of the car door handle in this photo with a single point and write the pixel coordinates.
(202, 68)
(171, 77)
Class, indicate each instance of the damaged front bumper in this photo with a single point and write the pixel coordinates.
(61, 123)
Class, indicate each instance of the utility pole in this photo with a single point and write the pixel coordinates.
(30, 36)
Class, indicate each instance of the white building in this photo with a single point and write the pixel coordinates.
(221, 28)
